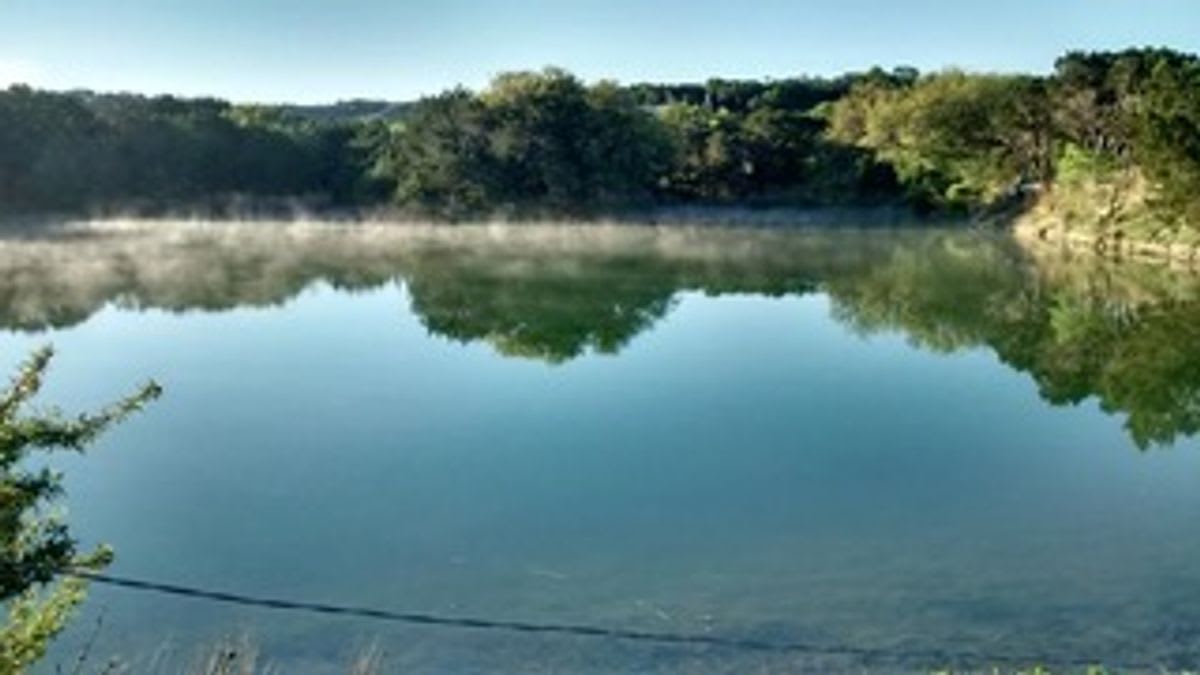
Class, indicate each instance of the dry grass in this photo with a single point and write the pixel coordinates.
(234, 655)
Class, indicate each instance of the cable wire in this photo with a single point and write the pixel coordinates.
(926, 657)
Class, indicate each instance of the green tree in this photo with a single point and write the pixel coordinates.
(533, 141)
(439, 160)
(954, 139)
(36, 546)
(710, 162)
(1169, 138)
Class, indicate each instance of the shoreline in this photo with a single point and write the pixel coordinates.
(1114, 247)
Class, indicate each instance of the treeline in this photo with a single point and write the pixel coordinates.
(88, 151)
(1107, 137)
(1121, 130)
(547, 142)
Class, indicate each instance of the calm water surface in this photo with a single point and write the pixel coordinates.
(896, 440)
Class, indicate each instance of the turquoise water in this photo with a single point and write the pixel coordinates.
(904, 441)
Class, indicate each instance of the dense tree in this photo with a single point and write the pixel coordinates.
(1100, 96)
(531, 141)
(711, 162)
(1169, 137)
(74, 151)
(440, 160)
(1110, 139)
(560, 144)
(954, 139)
(794, 94)
(1125, 127)
(766, 155)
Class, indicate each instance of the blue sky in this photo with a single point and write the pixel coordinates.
(323, 50)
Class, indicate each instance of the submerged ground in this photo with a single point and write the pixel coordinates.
(911, 441)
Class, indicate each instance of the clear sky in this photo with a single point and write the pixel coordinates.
(323, 50)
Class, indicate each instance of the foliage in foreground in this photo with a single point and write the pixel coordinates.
(36, 545)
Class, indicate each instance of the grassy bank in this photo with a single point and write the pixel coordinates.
(1113, 211)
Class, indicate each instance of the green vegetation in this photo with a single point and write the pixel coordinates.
(532, 141)
(1109, 142)
(86, 151)
(954, 140)
(545, 143)
(35, 545)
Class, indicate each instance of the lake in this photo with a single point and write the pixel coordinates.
(938, 447)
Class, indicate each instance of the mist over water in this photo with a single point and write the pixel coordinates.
(899, 439)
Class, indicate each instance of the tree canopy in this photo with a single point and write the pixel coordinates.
(1122, 125)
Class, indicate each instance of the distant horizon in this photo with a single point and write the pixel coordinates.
(306, 52)
(369, 98)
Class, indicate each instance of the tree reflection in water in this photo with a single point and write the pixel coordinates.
(1125, 333)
